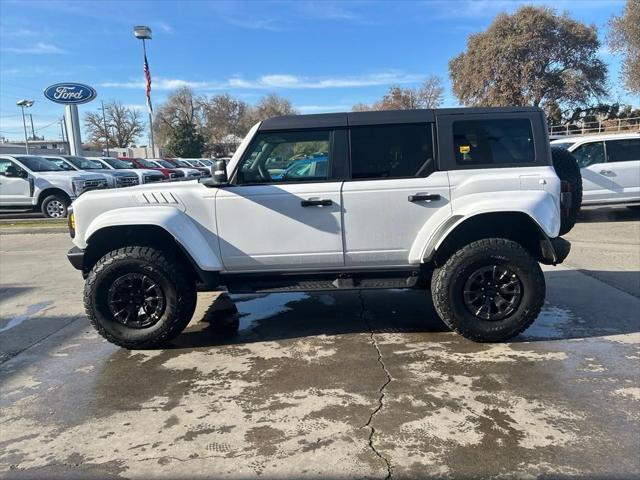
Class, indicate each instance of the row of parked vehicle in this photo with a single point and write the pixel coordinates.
(50, 183)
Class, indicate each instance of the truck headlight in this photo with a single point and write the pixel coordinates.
(71, 222)
(78, 186)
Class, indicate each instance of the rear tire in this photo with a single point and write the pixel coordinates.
(477, 270)
(55, 206)
(139, 297)
(568, 170)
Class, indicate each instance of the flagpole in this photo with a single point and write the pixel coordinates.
(153, 148)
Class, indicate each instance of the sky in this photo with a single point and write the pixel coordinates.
(323, 55)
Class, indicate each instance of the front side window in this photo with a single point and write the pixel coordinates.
(589, 154)
(4, 164)
(391, 151)
(623, 150)
(287, 157)
(493, 142)
(61, 164)
(40, 164)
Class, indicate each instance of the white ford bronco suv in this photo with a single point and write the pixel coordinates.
(463, 202)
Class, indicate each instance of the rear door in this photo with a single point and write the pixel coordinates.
(597, 182)
(623, 161)
(392, 191)
(284, 211)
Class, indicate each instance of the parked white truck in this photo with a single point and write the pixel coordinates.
(463, 202)
(29, 181)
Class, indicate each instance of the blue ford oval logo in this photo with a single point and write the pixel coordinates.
(70, 93)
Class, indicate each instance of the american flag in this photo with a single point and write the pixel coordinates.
(147, 75)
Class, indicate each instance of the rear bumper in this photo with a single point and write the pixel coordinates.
(76, 258)
(554, 250)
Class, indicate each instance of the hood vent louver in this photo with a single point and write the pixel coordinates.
(159, 198)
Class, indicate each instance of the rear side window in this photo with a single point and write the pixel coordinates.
(624, 150)
(589, 154)
(391, 151)
(493, 142)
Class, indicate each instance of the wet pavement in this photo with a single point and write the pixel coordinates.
(342, 385)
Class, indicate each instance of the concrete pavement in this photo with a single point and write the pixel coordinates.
(344, 385)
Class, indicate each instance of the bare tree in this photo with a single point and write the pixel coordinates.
(624, 37)
(225, 115)
(427, 95)
(531, 57)
(182, 105)
(123, 125)
(271, 105)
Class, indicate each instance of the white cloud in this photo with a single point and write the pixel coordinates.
(37, 48)
(322, 108)
(276, 81)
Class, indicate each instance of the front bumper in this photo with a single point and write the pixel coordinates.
(76, 258)
(554, 250)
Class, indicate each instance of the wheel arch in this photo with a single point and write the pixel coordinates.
(52, 191)
(112, 237)
(513, 225)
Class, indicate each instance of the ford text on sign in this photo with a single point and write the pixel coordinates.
(70, 93)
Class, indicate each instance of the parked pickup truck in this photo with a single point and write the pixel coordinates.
(115, 178)
(463, 203)
(29, 181)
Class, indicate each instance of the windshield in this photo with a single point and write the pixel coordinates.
(164, 163)
(85, 164)
(60, 163)
(182, 163)
(37, 164)
(146, 163)
(119, 164)
(206, 163)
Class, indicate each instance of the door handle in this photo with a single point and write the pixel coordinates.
(424, 197)
(316, 203)
(606, 172)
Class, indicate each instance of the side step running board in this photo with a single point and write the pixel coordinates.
(308, 283)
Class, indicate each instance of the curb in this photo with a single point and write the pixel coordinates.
(33, 231)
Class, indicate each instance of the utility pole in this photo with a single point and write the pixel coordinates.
(106, 129)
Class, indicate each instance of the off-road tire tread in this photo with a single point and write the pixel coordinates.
(568, 170)
(501, 246)
(173, 269)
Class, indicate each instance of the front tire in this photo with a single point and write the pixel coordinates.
(139, 297)
(489, 291)
(55, 206)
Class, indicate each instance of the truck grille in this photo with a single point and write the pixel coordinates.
(127, 181)
(95, 184)
(152, 178)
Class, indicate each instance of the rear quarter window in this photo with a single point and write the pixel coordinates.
(623, 150)
(493, 142)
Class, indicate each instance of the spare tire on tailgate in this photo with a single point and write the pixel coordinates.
(568, 170)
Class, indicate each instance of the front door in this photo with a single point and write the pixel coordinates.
(623, 160)
(15, 187)
(597, 183)
(392, 192)
(283, 210)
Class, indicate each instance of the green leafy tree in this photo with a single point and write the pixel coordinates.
(531, 57)
(184, 140)
(624, 37)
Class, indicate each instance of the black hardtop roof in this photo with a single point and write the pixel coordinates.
(344, 119)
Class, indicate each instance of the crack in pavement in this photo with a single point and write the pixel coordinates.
(374, 342)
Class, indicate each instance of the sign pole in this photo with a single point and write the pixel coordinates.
(72, 121)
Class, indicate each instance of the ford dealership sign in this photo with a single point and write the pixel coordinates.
(70, 93)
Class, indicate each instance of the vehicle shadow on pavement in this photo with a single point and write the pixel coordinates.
(281, 316)
(572, 311)
(594, 215)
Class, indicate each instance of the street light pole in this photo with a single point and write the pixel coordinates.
(142, 32)
(22, 104)
(106, 129)
(153, 147)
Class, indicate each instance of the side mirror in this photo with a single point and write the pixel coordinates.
(219, 172)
